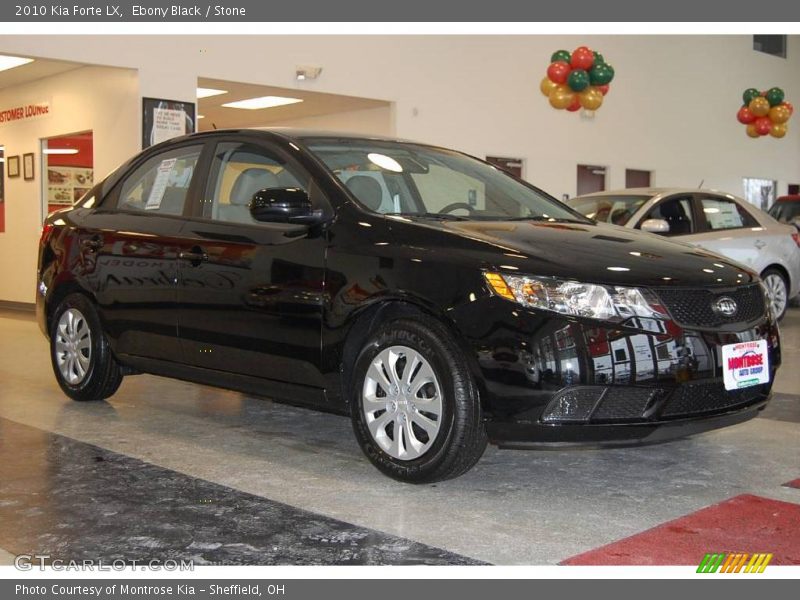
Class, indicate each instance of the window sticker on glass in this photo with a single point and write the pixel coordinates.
(160, 184)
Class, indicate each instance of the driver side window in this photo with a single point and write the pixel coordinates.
(677, 212)
(238, 171)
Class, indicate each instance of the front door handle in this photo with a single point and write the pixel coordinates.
(759, 244)
(194, 256)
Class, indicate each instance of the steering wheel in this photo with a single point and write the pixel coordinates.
(455, 206)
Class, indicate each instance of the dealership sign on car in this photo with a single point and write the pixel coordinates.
(745, 364)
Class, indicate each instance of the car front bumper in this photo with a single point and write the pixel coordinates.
(550, 379)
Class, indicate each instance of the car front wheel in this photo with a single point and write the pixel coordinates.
(777, 292)
(82, 360)
(415, 408)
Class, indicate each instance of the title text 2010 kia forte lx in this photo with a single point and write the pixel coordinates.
(439, 301)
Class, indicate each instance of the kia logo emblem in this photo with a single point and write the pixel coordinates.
(725, 306)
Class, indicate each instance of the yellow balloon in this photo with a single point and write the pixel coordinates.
(547, 86)
(561, 96)
(759, 106)
(779, 114)
(751, 130)
(591, 98)
(778, 130)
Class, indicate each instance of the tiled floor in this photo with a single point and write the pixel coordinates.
(515, 507)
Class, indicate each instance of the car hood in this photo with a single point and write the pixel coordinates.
(595, 252)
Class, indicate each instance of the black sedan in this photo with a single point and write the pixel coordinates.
(437, 300)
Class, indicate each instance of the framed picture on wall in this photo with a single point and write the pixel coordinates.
(165, 119)
(13, 166)
(27, 166)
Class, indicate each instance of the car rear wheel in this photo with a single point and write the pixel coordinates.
(777, 291)
(415, 408)
(82, 360)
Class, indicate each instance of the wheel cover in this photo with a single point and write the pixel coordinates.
(402, 402)
(73, 346)
(776, 290)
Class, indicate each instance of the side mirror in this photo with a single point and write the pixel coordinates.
(283, 205)
(655, 226)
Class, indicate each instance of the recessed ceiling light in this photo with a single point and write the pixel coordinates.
(262, 102)
(208, 92)
(201, 116)
(60, 151)
(9, 62)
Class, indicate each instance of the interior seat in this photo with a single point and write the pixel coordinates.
(367, 190)
(246, 185)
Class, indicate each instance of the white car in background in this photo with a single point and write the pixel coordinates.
(712, 220)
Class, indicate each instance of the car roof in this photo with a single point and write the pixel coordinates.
(297, 134)
(789, 198)
(654, 191)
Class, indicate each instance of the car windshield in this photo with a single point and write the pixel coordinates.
(616, 209)
(396, 178)
(785, 211)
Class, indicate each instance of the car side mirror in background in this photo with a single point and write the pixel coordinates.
(284, 205)
(655, 226)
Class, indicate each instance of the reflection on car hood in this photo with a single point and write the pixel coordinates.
(594, 252)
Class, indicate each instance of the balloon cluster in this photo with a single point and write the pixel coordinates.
(765, 112)
(577, 79)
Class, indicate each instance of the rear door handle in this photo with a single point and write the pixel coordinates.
(759, 244)
(194, 256)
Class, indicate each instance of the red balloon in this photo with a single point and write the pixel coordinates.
(745, 115)
(789, 106)
(764, 94)
(558, 72)
(604, 89)
(576, 104)
(763, 125)
(582, 58)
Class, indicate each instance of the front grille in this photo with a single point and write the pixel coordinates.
(692, 307)
(697, 399)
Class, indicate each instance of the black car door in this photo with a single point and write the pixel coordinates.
(129, 252)
(251, 293)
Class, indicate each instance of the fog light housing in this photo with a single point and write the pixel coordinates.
(572, 404)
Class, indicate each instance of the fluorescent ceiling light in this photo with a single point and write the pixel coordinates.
(9, 62)
(60, 151)
(201, 116)
(208, 92)
(262, 102)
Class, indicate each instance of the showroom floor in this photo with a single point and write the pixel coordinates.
(172, 469)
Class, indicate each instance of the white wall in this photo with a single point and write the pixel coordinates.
(671, 108)
(89, 98)
(368, 121)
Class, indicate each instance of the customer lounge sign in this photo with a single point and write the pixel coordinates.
(25, 112)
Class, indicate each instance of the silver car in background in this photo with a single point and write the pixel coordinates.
(712, 220)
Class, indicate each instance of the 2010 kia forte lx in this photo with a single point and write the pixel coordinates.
(439, 301)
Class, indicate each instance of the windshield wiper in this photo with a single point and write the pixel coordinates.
(543, 218)
(439, 216)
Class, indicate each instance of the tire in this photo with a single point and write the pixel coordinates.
(82, 360)
(778, 291)
(433, 377)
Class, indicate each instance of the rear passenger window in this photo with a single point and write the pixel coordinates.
(721, 213)
(161, 184)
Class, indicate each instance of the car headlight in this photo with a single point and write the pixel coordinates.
(609, 303)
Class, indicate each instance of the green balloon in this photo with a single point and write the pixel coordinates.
(775, 96)
(560, 55)
(578, 80)
(598, 58)
(749, 94)
(601, 74)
